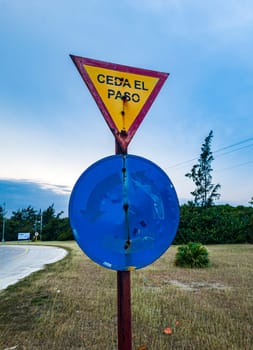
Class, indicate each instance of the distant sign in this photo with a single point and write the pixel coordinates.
(123, 94)
(24, 235)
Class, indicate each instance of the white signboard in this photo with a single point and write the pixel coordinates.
(23, 235)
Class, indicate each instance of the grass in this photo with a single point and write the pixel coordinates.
(72, 304)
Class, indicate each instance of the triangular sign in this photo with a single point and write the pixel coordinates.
(123, 94)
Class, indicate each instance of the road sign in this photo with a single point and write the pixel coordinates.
(124, 212)
(123, 94)
(23, 235)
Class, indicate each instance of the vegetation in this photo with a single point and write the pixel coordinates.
(215, 225)
(207, 225)
(73, 305)
(47, 223)
(206, 192)
(192, 255)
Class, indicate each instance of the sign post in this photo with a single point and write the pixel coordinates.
(124, 299)
(131, 198)
(124, 310)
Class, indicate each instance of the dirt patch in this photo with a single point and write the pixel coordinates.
(196, 286)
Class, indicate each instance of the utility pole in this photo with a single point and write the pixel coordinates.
(3, 228)
(41, 223)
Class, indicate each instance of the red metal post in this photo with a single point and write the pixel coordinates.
(124, 311)
(124, 299)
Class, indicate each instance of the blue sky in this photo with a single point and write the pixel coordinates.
(51, 128)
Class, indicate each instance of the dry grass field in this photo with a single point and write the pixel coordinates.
(72, 305)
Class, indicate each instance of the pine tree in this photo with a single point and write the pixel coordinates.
(205, 192)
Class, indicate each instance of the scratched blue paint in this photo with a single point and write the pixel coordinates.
(124, 212)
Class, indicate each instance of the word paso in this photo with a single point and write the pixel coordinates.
(132, 87)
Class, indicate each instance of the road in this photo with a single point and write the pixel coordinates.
(19, 261)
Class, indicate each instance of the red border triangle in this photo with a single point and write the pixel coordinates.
(122, 138)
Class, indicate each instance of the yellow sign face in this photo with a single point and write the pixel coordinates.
(124, 94)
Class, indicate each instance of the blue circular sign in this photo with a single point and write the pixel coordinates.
(124, 212)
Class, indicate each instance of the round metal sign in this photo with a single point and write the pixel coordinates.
(124, 212)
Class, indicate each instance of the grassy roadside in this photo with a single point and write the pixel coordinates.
(72, 304)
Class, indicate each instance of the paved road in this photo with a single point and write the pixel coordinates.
(19, 261)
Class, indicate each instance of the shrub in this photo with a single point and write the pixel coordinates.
(65, 236)
(218, 224)
(192, 255)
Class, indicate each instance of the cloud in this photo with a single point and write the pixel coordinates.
(19, 194)
(58, 189)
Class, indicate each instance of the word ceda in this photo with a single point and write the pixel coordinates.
(119, 82)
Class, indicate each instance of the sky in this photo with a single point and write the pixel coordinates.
(51, 128)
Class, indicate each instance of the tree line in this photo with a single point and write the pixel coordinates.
(217, 224)
(207, 225)
(47, 224)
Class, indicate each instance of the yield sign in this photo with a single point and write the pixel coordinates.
(123, 94)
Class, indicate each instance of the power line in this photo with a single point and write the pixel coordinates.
(234, 150)
(236, 166)
(217, 151)
(182, 163)
(234, 144)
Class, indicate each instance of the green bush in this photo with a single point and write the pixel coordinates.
(65, 236)
(219, 224)
(192, 255)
